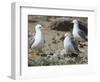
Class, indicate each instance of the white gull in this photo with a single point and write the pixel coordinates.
(78, 34)
(38, 40)
(70, 45)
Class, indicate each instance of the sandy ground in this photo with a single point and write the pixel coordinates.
(56, 27)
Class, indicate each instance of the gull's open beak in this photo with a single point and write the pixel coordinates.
(43, 28)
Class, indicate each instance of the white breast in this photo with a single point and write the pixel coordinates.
(39, 40)
(76, 31)
(67, 44)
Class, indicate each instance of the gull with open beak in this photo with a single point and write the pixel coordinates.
(70, 45)
(78, 34)
(38, 40)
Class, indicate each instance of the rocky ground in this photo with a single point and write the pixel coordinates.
(53, 53)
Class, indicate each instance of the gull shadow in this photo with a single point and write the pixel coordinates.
(10, 77)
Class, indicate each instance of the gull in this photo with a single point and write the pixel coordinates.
(38, 39)
(70, 44)
(78, 34)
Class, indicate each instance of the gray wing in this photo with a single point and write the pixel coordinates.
(82, 34)
(31, 41)
(75, 46)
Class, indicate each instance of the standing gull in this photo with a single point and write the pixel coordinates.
(38, 40)
(77, 32)
(70, 44)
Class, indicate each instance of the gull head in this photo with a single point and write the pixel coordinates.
(38, 27)
(68, 34)
(75, 21)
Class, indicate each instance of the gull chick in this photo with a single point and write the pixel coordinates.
(38, 40)
(70, 44)
(77, 32)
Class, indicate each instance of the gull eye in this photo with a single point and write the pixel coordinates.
(40, 26)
